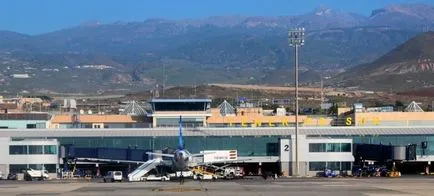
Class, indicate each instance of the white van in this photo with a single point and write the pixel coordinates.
(113, 176)
(31, 174)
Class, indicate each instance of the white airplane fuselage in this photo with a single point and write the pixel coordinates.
(181, 159)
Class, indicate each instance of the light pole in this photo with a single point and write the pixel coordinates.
(296, 40)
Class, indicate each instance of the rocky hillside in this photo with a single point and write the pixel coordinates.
(408, 66)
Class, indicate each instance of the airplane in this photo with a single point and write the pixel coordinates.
(182, 157)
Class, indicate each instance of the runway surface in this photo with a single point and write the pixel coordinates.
(302, 187)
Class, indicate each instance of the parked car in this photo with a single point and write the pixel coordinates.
(156, 178)
(31, 174)
(12, 176)
(113, 176)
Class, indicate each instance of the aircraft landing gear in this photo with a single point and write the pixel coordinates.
(181, 179)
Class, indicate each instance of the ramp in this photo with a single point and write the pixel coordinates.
(143, 169)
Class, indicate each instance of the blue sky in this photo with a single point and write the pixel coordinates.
(40, 16)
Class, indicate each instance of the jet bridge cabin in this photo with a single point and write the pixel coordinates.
(166, 112)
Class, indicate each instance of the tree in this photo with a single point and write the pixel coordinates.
(333, 110)
(399, 105)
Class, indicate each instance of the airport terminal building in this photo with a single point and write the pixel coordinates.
(268, 141)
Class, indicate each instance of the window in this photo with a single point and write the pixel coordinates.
(50, 149)
(96, 126)
(35, 166)
(31, 126)
(346, 147)
(17, 168)
(334, 165)
(330, 147)
(17, 150)
(51, 168)
(333, 147)
(317, 166)
(317, 147)
(35, 150)
(345, 165)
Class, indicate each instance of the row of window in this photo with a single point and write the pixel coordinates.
(19, 168)
(330, 147)
(32, 149)
(321, 166)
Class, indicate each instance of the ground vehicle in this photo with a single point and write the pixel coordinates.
(12, 176)
(156, 178)
(1, 176)
(205, 177)
(31, 174)
(233, 172)
(113, 176)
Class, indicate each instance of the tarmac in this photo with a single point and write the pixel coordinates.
(249, 187)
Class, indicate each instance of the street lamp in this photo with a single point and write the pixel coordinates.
(296, 40)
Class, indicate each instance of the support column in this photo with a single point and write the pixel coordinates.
(285, 157)
(260, 168)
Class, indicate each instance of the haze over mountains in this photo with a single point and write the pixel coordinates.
(233, 49)
(409, 66)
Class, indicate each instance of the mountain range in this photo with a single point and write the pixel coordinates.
(408, 66)
(125, 56)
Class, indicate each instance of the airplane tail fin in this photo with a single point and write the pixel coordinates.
(181, 140)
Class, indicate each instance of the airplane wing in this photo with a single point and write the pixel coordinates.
(161, 154)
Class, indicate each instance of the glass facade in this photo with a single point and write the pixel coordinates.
(19, 168)
(321, 166)
(36, 150)
(174, 122)
(246, 146)
(15, 150)
(330, 147)
(50, 150)
(32, 149)
(180, 106)
(395, 140)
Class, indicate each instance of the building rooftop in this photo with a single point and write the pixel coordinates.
(263, 131)
(413, 107)
(134, 109)
(95, 119)
(25, 116)
(179, 100)
(226, 109)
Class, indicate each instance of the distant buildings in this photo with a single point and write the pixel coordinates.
(25, 75)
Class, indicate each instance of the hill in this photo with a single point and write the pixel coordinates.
(237, 49)
(408, 66)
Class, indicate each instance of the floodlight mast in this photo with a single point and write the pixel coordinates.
(296, 40)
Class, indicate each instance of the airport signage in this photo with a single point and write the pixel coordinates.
(285, 150)
(362, 121)
(348, 121)
(219, 155)
(282, 123)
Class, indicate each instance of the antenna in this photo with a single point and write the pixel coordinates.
(195, 89)
(164, 77)
(322, 91)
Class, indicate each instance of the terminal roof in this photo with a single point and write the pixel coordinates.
(234, 131)
(179, 100)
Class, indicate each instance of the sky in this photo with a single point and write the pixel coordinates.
(42, 16)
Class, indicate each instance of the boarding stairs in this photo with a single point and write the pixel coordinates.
(143, 169)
